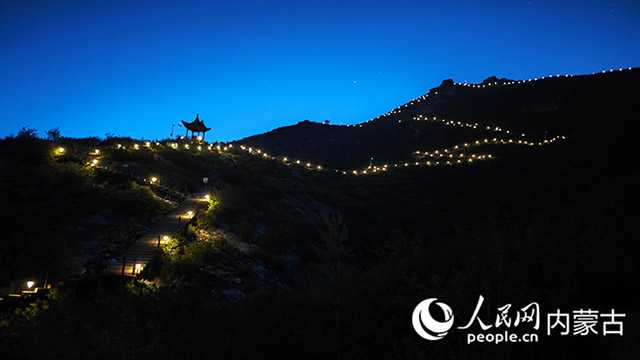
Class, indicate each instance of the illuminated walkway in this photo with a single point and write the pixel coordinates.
(140, 254)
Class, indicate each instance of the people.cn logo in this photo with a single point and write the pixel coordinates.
(428, 327)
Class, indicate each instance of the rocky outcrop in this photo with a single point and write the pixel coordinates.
(447, 88)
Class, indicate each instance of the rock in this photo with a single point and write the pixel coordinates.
(291, 260)
(493, 80)
(447, 88)
(490, 80)
(234, 295)
(98, 219)
(258, 270)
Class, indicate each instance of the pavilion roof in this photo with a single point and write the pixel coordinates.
(196, 125)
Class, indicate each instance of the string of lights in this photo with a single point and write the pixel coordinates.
(448, 156)
(515, 82)
(460, 124)
(398, 109)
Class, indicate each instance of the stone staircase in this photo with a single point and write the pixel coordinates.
(134, 259)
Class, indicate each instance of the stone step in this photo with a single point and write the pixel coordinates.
(146, 247)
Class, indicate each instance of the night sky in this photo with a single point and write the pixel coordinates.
(134, 68)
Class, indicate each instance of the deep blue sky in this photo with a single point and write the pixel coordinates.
(134, 68)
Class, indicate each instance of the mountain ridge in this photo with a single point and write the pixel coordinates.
(541, 108)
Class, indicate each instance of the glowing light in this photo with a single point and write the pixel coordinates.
(189, 213)
(30, 284)
(61, 150)
(153, 180)
(207, 197)
(95, 162)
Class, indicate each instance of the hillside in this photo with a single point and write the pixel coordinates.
(256, 275)
(588, 106)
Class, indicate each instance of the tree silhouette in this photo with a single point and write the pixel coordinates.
(334, 239)
(53, 134)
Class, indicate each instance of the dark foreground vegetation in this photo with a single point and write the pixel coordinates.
(288, 262)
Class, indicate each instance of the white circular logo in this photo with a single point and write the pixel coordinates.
(426, 326)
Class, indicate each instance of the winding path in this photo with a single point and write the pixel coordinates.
(146, 248)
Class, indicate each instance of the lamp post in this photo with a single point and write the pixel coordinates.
(164, 240)
(172, 126)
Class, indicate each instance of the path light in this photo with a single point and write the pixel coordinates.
(95, 162)
(30, 284)
(154, 179)
(96, 151)
(165, 239)
(138, 268)
(189, 213)
(61, 150)
(207, 197)
(136, 146)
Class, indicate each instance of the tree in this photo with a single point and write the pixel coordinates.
(27, 133)
(53, 134)
(335, 250)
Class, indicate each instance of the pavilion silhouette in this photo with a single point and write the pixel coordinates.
(196, 126)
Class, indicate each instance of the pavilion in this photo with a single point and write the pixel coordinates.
(196, 126)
